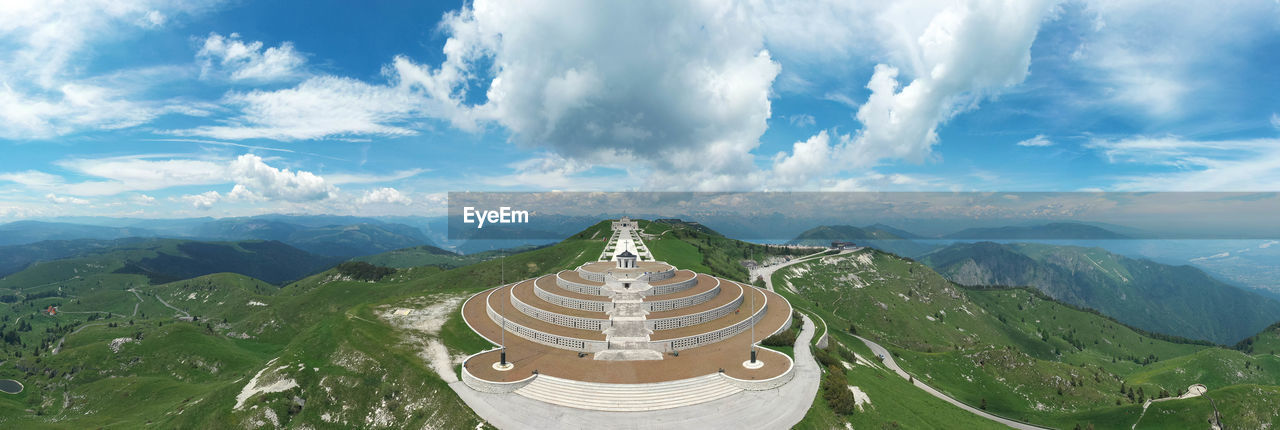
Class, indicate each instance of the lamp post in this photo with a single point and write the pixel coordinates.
(502, 277)
(751, 314)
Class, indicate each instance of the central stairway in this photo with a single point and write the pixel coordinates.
(628, 397)
(627, 335)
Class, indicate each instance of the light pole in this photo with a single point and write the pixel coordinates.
(502, 280)
(751, 314)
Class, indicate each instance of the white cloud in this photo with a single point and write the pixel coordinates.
(1275, 121)
(959, 54)
(356, 178)
(320, 107)
(1157, 71)
(202, 201)
(248, 61)
(278, 184)
(32, 178)
(802, 120)
(47, 42)
(385, 196)
(69, 108)
(808, 159)
(1191, 165)
(65, 200)
(142, 200)
(596, 82)
(1038, 140)
(254, 179)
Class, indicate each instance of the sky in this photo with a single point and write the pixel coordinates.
(159, 109)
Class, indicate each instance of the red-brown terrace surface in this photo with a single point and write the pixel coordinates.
(727, 354)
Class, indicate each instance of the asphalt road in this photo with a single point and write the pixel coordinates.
(893, 365)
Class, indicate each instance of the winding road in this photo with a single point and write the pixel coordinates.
(766, 272)
(893, 365)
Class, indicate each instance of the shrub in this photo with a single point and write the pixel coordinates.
(363, 271)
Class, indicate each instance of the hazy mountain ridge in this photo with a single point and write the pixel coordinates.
(1176, 300)
(1057, 230)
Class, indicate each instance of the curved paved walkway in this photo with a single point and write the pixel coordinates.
(779, 408)
(893, 365)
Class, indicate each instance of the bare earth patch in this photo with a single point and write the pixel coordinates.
(278, 384)
(428, 321)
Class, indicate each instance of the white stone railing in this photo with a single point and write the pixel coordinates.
(570, 302)
(698, 318)
(486, 386)
(590, 276)
(658, 276)
(687, 342)
(674, 287)
(683, 302)
(555, 340)
(568, 285)
(558, 319)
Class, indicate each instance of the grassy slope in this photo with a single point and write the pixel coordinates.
(1179, 300)
(1011, 347)
(323, 332)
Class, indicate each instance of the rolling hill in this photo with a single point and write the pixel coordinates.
(1176, 300)
(1020, 353)
(329, 351)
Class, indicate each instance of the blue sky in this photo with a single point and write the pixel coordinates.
(178, 109)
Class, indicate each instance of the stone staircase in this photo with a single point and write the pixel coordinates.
(627, 335)
(628, 397)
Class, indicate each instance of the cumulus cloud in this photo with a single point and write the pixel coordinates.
(202, 201)
(955, 55)
(278, 184)
(676, 88)
(142, 200)
(1038, 140)
(965, 51)
(808, 159)
(385, 195)
(248, 61)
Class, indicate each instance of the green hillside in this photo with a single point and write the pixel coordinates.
(1024, 355)
(330, 342)
(1177, 300)
(696, 247)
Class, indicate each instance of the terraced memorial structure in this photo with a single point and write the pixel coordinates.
(626, 333)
